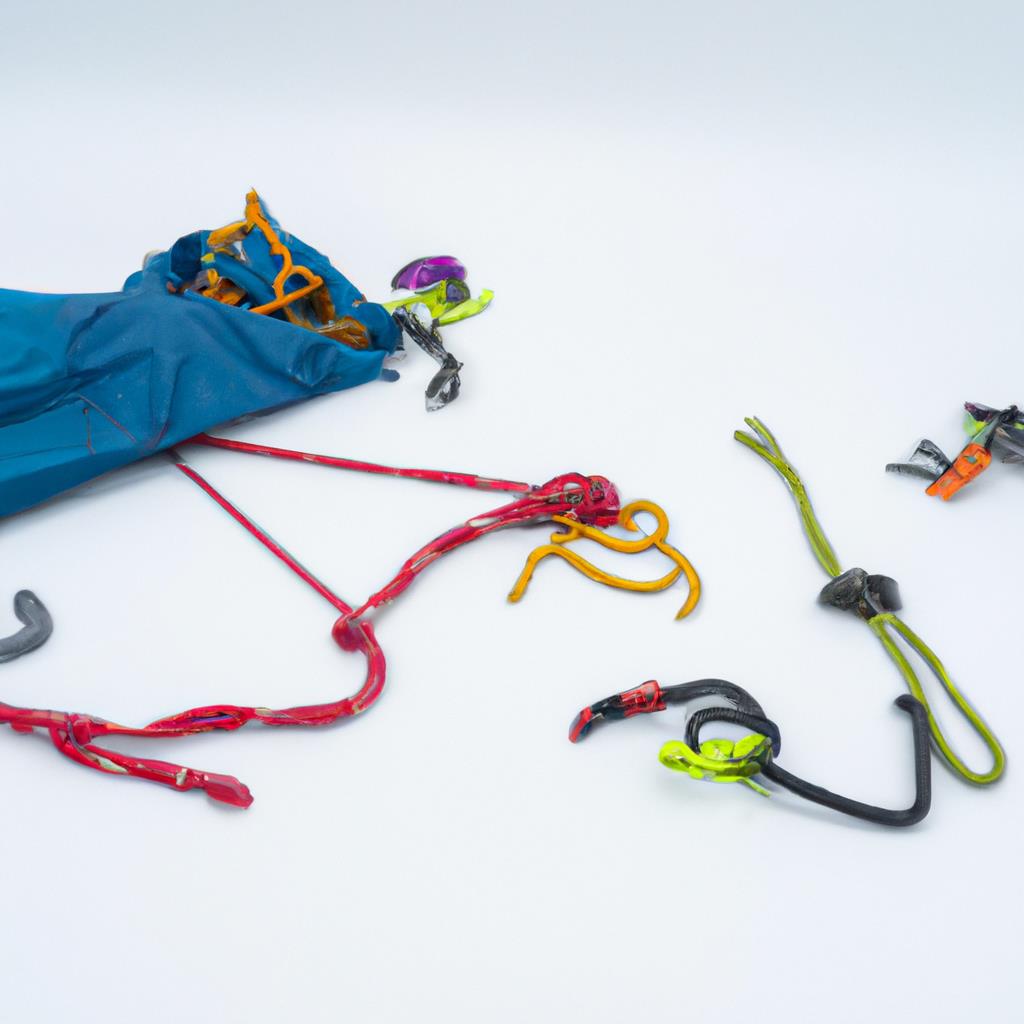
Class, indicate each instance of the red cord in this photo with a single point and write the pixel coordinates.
(589, 499)
(263, 537)
(439, 476)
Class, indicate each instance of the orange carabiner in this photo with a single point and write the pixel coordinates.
(970, 463)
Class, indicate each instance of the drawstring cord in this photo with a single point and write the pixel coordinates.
(881, 620)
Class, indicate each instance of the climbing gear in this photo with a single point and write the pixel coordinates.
(574, 530)
(571, 499)
(427, 271)
(445, 385)
(437, 282)
(440, 297)
(308, 304)
(90, 383)
(754, 755)
(34, 633)
(1001, 431)
(875, 599)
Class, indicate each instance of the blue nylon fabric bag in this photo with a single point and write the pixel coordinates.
(90, 383)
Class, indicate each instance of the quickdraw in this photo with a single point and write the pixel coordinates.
(586, 505)
(440, 296)
(753, 756)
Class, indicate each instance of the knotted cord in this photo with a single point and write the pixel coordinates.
(586, 503)
(765, 445)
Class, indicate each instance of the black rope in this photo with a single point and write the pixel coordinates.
(818, 794)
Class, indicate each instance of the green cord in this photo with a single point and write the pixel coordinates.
(768, 448)
(878, 624)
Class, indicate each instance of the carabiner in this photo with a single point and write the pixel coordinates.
(38, 625)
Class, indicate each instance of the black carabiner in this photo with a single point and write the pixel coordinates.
(445, 385)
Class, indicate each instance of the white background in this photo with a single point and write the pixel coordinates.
(689, 213)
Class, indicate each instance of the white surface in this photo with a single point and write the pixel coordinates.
(689, 213)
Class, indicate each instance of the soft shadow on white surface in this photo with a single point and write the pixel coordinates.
(689, 214)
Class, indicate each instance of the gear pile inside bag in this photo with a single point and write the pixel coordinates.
(224, 324)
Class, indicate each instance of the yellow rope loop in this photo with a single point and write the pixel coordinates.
(627, 520)
(765, 445)
(878, 624)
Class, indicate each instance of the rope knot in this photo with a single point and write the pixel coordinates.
(867, 595)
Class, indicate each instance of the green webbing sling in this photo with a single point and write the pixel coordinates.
(768, 448)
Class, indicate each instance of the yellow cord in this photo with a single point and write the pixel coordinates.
(659, 539)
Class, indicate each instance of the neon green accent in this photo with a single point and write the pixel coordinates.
(441, 310)
(392, 304)
(770, 451)
(754, 745)
(878, 624)
(974, 427)
(720, 760)
(971, 425)
(432, 298)
(464, 310)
